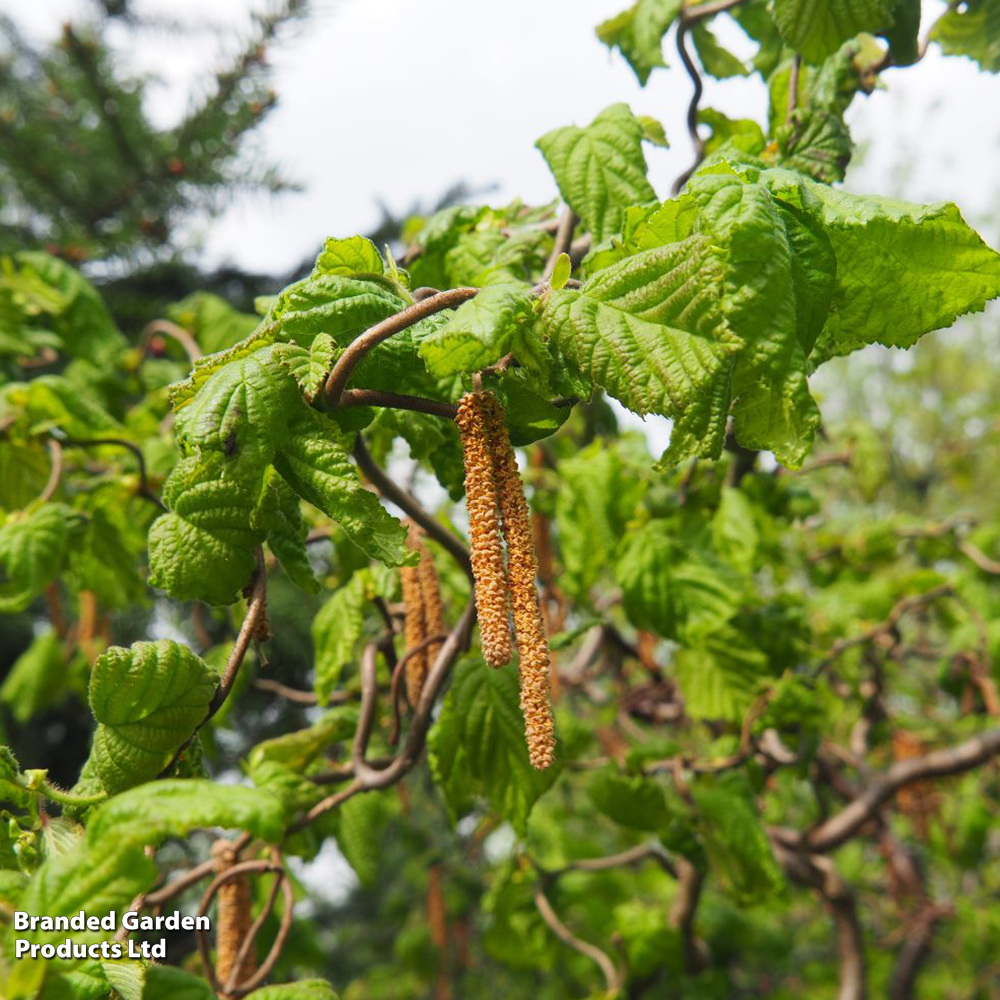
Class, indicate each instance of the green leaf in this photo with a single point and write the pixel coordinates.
(971, 29)
(204, 548)
(242, 410)
(309, 365)
(127, 978)
(530, 416)
(597, 496)
(671, 589)
(212, 321)
(317, 467)
(728, 131)
(600, 169)
(174, 807)
(84, 323)
(561, 272)
(638, 33)
(361, 825)
(286, 537)
(734, 531)
(717, 61)
(36, 679)
(336, 630)
(477, 746)
(500, 320)
(335, 304)
(735, 841)
(633, 801)
(355, 255)
(718, 677)
(817, 28)
(305, 989)
(937, 266)
(298, 750)
(32, 547)
(148, 700)
(167, 982)
(816, 143)
(650, 330)
(653, 131)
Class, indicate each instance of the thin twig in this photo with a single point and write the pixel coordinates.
(692, 112)
(144, 488)
(348, 361)
(793, 86)
(167, 329)
(563, 241)
(299, 697)
(936, 764)
(613, 978)
(410, 506)
(397, 401)
(55, 472)
(691, 15)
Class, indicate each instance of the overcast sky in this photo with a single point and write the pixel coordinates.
(395, 100)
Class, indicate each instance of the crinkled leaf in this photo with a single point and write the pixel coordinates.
(174, 807)
(718, 676)
(127, 978)
(498, 321)
(148, 700)
(816, 28)
(638, 33)
(315, 464)
(167, 982)
(32, 546)
(971, 29)
(650, 330)
(600, 169)
(242, 410)
(350, 256)
(361, 826)
(477, 746)
(309, 365)
(336, 630)
(672, 589)
(631, 800)
(204, 548)
(286, 537)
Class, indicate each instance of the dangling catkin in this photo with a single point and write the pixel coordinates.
(484, 531)
(522, 568)
(233, 920)
(416, 623)
(430, 588)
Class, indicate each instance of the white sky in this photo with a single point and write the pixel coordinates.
(395, 99)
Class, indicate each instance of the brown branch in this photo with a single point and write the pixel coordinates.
(348, 361)
(190, 877)
(633, 855)
(936, 764)
(613, 978)
(901, 608)
(293, 694)
(682, 913)
(55, 472)
(398, 401)
(370, 777)
(913, 952)
(692, 111)
(691, 15)
(395, 687)
(144, 487)
(793, 86)
(563, 241)
(410, 506)
(167, 329)
(980, 558)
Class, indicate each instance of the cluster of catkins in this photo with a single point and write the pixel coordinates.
(424, 615)
(499, 511)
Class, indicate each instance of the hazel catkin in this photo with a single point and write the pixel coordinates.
(233, 920)
(415, 626)
(522, 568)
(485, 542)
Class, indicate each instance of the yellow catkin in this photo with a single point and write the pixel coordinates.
(430, 587)
(416, 624)
(522, 568)
(486, 543)
(233, 920)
